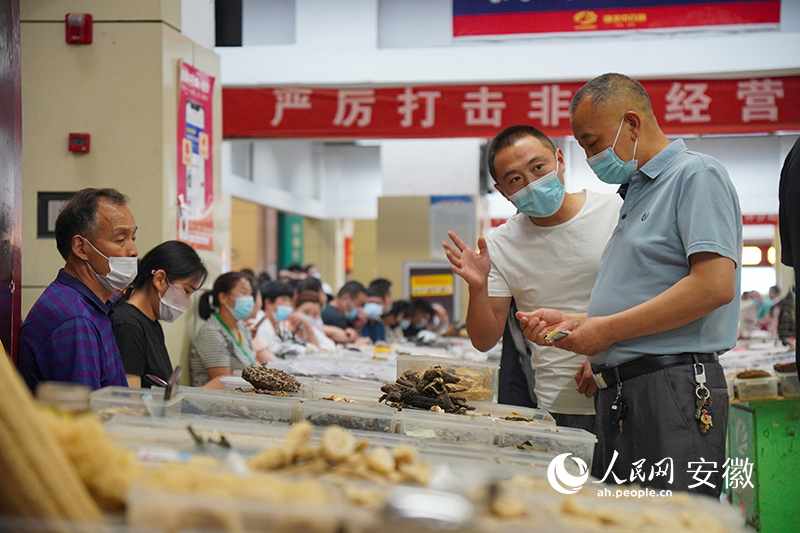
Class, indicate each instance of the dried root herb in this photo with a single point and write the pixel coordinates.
(270, 379)
(257, 391)
(435, 389)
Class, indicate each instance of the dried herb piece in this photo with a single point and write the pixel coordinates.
(435, 388)
(270, 379)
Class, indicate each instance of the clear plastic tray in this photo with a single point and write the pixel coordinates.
(548, 439)
(176, 512)
(319, 391)
(110, 401)
(456, 428)
(228, 404)
(499, 410)
(348, 415)
(757, 388)
(245, 436)
(790, 384)
(482, 376)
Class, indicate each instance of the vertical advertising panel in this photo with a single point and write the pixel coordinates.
(195, 165)
(290, 240)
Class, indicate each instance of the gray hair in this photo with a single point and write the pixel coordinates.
(610, 88)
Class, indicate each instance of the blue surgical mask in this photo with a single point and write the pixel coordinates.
(243, 307)
(282, 312)
(351, 314)
(421, 324)
(373, 310)
(436, 322)
(405, 324)
(609, 167)
(540, 198)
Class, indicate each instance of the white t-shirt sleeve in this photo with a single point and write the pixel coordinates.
(497, 285)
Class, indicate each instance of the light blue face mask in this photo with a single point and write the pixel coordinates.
(421, 324)
(540, 198)
(609, 167)
(243, 307)
(373, 310)
(351, 314)
(282, 312)
(405, 324)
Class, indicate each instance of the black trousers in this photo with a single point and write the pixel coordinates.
(660, 425)
(515, 382)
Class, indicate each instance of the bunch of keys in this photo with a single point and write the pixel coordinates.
(618, 409)
(703, 413)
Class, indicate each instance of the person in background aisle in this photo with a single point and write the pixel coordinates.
(223, 345)
(314, 285)
(382, 288)
(374, 308)
(664, 304)
(260, 347)
(785, 320)
(440, 321)
(789, 220)
(313, 272)
(342, 311)
(168, 276)
(396, 320)
(423, 315)
(548, 254)
(68, 334)
(309, 326)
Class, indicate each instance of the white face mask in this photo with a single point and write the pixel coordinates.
(173, 304)
(122, 271)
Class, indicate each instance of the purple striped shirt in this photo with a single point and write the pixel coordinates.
(68, 336)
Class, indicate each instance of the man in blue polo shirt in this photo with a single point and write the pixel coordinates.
(663, 306)
(68, 333)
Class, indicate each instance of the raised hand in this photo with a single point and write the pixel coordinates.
(473, 266)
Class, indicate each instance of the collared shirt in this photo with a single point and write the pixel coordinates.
(678, 204)
(68, 336)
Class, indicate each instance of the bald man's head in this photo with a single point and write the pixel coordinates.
(613, 91)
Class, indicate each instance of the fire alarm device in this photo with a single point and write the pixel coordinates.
(79, 28)
(79, 142)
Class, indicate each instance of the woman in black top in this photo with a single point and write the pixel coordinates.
(168, 276)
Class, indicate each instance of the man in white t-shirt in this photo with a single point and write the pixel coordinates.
(547, 253)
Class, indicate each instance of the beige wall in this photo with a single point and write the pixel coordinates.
(245, 235)
(365, 250)
(323, 245)
(122, 89)
(402, 235)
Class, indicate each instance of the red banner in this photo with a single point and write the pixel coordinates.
(473, 18)
(195, 168)
(681, 107)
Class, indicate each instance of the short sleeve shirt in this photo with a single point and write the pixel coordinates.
(213, 346)
(553, 266)
(678, 204)
(68, 336)
(141, 343)
(333, 317)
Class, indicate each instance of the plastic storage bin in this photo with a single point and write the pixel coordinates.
(348, 415)
(226, 404)
(499, 410)
(790, 384)
(757, 388)
(110, 401)
(481, 378)
(173, 512)
(456, 428)
(549, 439)
(319, 391)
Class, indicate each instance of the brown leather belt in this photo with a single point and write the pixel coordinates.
(608, 377)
